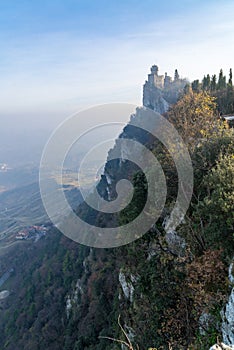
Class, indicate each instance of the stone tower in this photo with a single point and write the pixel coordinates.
(154, 79)
(167, 81)
(152, 92)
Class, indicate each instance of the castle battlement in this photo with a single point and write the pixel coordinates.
(160, 91)
(158, 81)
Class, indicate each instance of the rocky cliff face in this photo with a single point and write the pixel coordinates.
(228, 313)
(153, 99)
(160, 92)
(160, 288)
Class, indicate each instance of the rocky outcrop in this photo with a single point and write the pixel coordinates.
(221, 346)
(68, 306)
(153, 99)
(160, 91)
(228, 314)
(205, 322)
(176, 244)
(127, 285)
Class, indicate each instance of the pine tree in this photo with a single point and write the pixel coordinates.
(196, 86)
(230, 94)
(213, 84)
(230, 77)
(187, 89)
(206, 83)
(176, 76)
(221, 81)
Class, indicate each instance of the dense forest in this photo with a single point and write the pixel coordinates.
(220, 87)
(168, 293)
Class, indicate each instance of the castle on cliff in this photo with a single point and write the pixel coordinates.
(160, 91)
(158, 81)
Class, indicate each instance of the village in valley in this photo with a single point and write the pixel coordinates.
(32, 232)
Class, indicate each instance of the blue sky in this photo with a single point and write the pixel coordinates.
(58, 56)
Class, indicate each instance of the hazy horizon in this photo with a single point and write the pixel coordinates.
(59, 57)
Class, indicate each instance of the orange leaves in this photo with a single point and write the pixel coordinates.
(206, 280)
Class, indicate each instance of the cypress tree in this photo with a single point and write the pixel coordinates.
(213, 84)
(208, 81)
(230, 77)
(176, 76)
(196, 85)
(230, 94)
(204, 83)
(221, 81)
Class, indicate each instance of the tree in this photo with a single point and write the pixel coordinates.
(220, 184)
(230, 94)
(187, 89)
(222, 80)
(176, 76)
(213, 215)
(196, 86)
(213, 83)
(210, 224)
(127, 342)
(230, 78)
(206, 82)
(194, 116)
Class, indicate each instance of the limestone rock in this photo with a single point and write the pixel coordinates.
(228, 315)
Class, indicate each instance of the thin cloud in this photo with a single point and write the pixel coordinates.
(63, 70)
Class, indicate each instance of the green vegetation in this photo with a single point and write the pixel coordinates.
(221, 89)
(170, 284)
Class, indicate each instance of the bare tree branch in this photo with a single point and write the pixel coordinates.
(115, 340)
(128, 344)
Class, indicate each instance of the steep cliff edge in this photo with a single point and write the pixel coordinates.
(169, 290)
(160, 91)
(228, 313)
